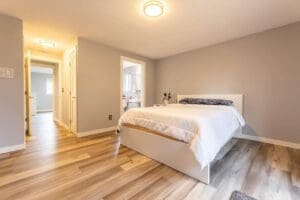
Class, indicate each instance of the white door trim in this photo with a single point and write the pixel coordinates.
(73, 89)
(143, 64)
(27, 83)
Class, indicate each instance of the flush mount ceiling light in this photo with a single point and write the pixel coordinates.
(46, 43)
(153, 8)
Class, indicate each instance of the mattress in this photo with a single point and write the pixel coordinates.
(206, 128)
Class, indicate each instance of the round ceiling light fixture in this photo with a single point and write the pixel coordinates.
(153, 8)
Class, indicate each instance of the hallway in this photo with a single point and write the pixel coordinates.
(45, 130)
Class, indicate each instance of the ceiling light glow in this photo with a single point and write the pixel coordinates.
(153, 8)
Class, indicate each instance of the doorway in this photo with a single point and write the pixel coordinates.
(132, 84)
(41, 92)
(41, 88)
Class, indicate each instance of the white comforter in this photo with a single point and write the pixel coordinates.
(205, 128)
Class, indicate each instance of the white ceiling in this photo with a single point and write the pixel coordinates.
(187, 24)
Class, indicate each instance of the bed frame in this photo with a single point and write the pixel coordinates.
(173, 153)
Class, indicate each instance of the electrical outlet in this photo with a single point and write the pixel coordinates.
(109, 117)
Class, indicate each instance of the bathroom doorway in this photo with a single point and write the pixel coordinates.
(132, 84)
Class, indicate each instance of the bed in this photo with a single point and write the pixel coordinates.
(184, 137)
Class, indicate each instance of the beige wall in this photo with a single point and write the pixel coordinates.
(12, 90)
(98, 84)
(265, 67)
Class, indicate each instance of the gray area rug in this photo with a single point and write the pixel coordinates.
(236, 195)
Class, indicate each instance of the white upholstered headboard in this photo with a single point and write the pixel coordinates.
(236, 98)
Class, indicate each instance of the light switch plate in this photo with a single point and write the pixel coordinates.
(6, 72)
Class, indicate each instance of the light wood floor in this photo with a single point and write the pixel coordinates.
(57, 165)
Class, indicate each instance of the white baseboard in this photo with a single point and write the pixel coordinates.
(64, 125)
(56, 120)
(270, 141)
(97, 131)
(12, 148)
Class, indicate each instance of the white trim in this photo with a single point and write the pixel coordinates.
(65, 126)
(143, 64)
(270, 141)
(73, 89)
(45, 58)
(44, 110)
(57, 84)
(56, 120)
(12, 148)
(97, 131)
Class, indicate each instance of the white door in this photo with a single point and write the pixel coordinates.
(73, 95)
(132, 84)
(28, 96)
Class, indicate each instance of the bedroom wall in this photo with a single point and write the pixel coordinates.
(98, 84)
(12, 90)
(265, 67)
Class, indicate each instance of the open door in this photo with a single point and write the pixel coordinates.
(132, 83)
(28, 97)
(73, 95)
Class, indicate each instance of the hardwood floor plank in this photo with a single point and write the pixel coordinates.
(152, 190)
(7, 179)
(129, 190)
(295, 167)
(279, 158)
(183, 189)
(106, 187)
(201, 191)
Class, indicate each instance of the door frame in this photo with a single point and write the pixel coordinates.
(27, 93)
(73, 89)
(29, 58)
(143, 64)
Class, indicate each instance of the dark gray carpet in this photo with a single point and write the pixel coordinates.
(236, 195)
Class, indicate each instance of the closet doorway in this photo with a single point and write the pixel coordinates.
(132, 83)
